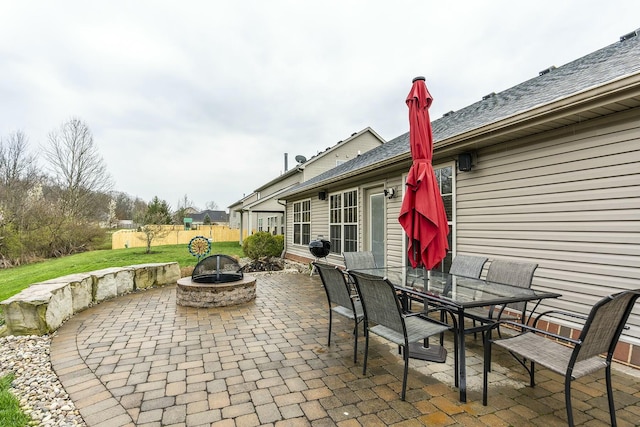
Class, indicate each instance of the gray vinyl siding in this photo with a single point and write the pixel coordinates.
(568, 200)
(343, 151)
(319, 227)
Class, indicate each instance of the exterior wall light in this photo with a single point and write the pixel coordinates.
(389, 193)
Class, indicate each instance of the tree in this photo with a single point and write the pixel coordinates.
(181, 212)
(212, 206)
(139, 209)
(18, 174)
(124, 205)
(78, 171)
(21, 202)
(158, 215)
(113, 219)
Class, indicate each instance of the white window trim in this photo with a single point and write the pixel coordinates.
(302, 223)
(342, 222)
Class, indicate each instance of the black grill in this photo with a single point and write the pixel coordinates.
(320, 248)
(217, 269)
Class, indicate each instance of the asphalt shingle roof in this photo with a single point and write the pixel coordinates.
(612, 62)
(214, 216)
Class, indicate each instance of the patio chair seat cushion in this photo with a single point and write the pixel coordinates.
(417, 329)
(550, 354)
(348, 313)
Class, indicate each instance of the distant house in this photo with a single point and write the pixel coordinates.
(125, 223)
(547, 171)
(190, 211)
(262, 211)
(215, 217)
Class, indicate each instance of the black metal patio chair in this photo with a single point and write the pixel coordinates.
(340, 299)
(571, 358)
(467, 266)
(359, 260)
(384, 317)
(516, 273)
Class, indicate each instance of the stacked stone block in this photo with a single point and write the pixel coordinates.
(42, 307)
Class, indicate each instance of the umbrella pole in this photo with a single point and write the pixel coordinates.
(424, 351)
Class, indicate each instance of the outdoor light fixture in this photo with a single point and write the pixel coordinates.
(389, 193)
(465, 162)
(322, 195)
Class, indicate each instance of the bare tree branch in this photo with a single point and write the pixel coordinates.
(77, 168)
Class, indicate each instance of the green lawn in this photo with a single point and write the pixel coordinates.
(10, 413)
(14, 280)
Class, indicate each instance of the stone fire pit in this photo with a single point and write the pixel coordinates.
(216, 281)
(193, 294)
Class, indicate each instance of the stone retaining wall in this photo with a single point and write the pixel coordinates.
(42, 307)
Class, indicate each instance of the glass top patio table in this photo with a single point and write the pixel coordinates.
(454, 290)
(457, 293)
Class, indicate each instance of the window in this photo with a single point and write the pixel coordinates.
(302, 222)
(343, 221)
(259, 224)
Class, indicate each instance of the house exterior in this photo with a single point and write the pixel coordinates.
(263, 211)
(554, 179)
(215, 217)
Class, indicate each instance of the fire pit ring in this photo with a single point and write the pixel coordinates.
(217, 281)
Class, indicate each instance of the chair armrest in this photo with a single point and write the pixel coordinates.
(418, 313)
(527, 328)
(564, 313)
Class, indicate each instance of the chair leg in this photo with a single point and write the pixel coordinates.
(406, 371)
(330, 322)
(443, 319)
(456, 367)
(532, 374)
(366, 347)
(355, 342)
(486, 369)
(567, 399)
(612, 409)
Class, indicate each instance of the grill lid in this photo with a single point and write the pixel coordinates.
(320, 248)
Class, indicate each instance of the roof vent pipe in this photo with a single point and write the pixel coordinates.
(547, 71)
(286, 162)
(491, 95)
(629, 35)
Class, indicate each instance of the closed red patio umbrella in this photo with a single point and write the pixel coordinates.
(422, 214)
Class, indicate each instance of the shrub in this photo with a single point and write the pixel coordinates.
(263, 244)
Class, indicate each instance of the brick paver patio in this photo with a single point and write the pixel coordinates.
(141, 360)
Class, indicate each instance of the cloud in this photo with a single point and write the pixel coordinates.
(204, 98)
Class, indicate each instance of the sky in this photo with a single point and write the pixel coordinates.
(202, 99)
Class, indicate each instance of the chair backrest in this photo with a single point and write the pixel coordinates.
(335, 284)
(359, 260)
(380, 301)
(516, 273)
(604, 325)
(467, 265)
